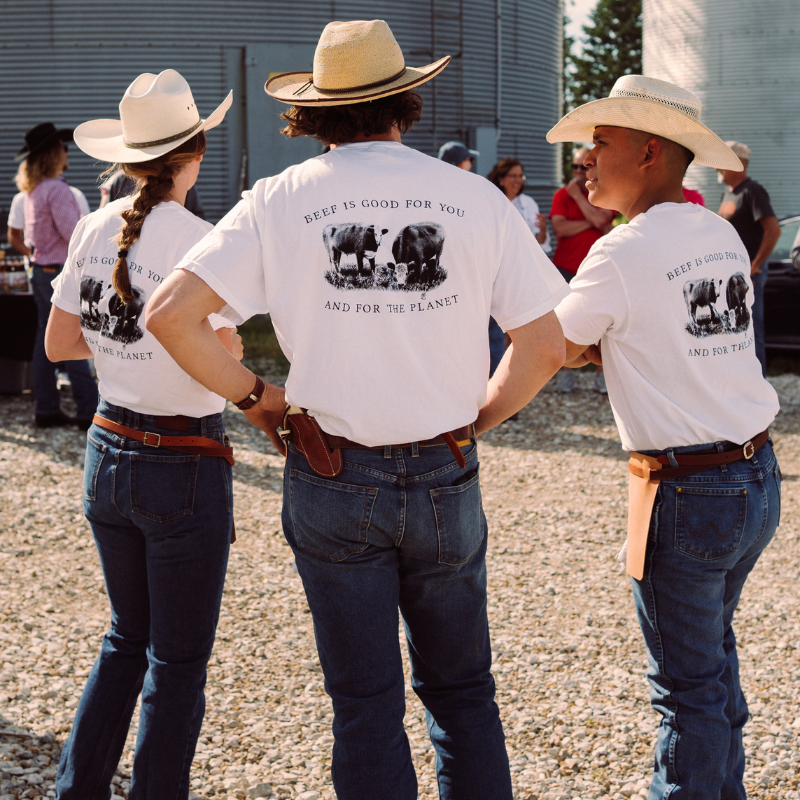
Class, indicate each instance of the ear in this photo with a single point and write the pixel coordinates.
(652, 149)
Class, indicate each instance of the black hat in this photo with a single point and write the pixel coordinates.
(40, 136)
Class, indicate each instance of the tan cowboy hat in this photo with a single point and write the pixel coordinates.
(157, 114)
(652, 106)
(353, 62)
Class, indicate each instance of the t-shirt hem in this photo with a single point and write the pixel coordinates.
(535, 312)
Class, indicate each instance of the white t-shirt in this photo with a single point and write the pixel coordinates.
(393, 350)
(134, 370)
(529, 209)
(16, 212)
(669, 297)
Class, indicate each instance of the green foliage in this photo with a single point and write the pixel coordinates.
(612, 47)
(259, 341)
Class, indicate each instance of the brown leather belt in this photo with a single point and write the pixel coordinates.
(195, 445)
(323, 451)
(692, 463)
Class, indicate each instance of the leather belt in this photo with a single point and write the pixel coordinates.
(692, 463)
(323, 451)
(195, 445)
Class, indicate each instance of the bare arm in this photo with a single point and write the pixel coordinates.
(63, 339)
(535, 355)
(564, 228)
(772, 232)
(177, 315)
(600, 218)
(17, 241)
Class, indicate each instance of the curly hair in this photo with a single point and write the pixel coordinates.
(38, 166)
(340, 124)
(154, 181)
(501, 169)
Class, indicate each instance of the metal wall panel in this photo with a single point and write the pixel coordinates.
(72, 60)
(742, 60)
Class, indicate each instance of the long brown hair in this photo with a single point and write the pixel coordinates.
(341, 124)
(154, 181)
(38, 166)
(501, 169)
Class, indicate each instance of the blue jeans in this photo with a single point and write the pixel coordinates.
(84, 389)
(162, 521)
(759, 282)
(497, 345)
(397, 530)
(706, 535)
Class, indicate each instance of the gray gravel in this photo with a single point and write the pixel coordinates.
(569, 661)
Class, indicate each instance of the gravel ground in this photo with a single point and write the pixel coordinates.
(569, 661)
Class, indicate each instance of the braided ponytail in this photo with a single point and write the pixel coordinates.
(155, 180)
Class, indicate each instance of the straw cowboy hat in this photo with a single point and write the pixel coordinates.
(652, 106)
(353, 62)
(157, 114)
(41, 136)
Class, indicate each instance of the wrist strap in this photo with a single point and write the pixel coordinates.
(253, 397)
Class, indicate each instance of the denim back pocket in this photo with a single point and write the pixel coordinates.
(709, 520)
(330, 520)
(459, 521)
(163, 487)
(95, 453)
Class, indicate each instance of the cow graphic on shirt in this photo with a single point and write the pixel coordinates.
(120, 321)
(91, 291)
(414, 264)
(703, 296)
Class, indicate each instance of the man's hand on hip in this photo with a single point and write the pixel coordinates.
(267, 414)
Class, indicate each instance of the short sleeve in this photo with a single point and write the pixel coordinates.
(760, 203)
(559, 205)
(527, 285)
(230, 260)
(67, 286)
(16, 214)
(597, 303)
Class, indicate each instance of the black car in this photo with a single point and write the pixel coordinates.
(782, 292)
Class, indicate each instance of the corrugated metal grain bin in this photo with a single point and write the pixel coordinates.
(742, 60)
(70, 60)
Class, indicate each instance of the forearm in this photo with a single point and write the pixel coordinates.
(565, 228)
(535, 355)
(598, 217)
(768, 242)
(17, 241)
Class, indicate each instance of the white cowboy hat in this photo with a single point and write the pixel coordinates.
(353, 62)
(157, 114)
(652, 106)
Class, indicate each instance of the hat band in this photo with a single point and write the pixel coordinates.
(306, 86)
(157, 142)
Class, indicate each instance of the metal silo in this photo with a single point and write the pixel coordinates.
(70, 60)
(742, 60)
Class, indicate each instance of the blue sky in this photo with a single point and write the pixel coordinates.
(578, 12)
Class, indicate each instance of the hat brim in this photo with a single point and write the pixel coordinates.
(649, 116)
(63, 135)
(286, 87)
(102, 138)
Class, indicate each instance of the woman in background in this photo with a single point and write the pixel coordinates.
(51, 213)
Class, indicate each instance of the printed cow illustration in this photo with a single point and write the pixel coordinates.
(90, 293)
(736, 295)
(120, 320)
(353, 238)
(416, 251)
(702, 293)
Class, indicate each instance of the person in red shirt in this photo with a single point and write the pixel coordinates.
(578, 225)
(693, 196)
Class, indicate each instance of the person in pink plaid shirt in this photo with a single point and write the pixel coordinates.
(51, 214)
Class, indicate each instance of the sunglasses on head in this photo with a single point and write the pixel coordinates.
(579, 166)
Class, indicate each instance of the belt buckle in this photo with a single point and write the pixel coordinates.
(748, 450)
(150, 444)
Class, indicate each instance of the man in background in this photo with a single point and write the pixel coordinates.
(458, 155)
(578, 225)
(747, 207)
